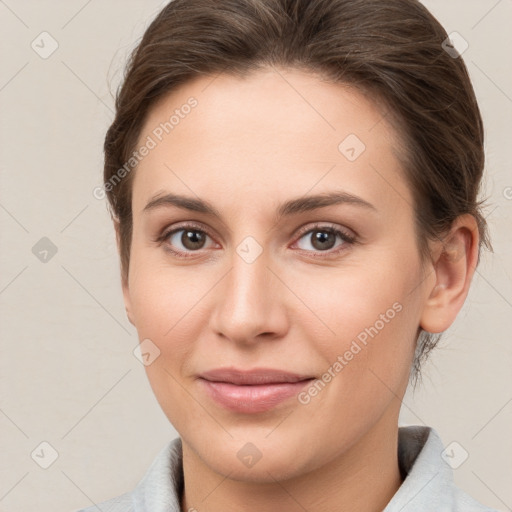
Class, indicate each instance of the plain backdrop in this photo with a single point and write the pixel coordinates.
(68, 375)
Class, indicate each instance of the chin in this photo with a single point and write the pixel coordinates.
(260, 461)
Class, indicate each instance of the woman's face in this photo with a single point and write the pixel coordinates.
(323, 289)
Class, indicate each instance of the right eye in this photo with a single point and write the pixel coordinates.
(186, 239)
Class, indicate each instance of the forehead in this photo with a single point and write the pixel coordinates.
(273, 133)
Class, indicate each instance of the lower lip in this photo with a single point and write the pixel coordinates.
(252, 399)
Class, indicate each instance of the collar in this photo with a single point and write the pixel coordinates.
(428, 484)
(429, 479)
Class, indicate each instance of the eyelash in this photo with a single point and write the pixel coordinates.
(345, 237)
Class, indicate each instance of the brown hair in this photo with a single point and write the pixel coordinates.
(391, 50)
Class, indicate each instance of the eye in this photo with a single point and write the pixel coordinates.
(322, 238)
(186, 239)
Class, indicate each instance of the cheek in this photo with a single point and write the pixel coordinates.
(166, 305)
(160, 296)
(370, 318)
(356, 303)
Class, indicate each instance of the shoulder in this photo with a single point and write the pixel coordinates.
(123, 503)
(159, 489)
(428, 482)
(465, 503)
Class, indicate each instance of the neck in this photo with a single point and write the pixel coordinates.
(364, 478)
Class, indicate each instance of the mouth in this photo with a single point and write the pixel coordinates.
(251, 391)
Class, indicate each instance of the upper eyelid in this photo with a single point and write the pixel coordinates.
(321, 226)
(190, 225)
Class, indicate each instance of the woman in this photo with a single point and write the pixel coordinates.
(294, 187)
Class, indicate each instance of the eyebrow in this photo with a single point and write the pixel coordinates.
(288, 208)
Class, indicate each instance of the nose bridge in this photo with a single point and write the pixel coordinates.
(248, 304)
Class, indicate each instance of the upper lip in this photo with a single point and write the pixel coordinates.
(253, 376)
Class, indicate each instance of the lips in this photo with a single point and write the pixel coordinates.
(251, 391)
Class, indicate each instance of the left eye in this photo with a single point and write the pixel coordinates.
(324, 239)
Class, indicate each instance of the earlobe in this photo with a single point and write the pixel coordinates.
(454, 266)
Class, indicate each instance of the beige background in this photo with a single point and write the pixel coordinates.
(68, 376)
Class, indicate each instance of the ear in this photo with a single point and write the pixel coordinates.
(454, 263)
(124, 282)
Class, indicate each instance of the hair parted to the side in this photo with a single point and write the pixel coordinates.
(392, 51)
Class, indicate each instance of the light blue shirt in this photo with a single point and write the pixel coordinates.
(428, 486)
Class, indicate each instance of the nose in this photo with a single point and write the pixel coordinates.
(249, 302)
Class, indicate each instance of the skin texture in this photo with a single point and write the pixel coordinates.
(249, 145)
